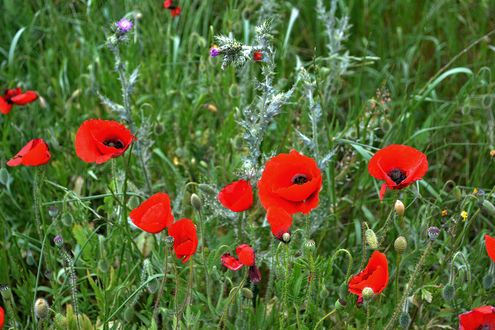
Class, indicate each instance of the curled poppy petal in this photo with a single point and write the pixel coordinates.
(254, 274)
(99, 140)
(246, 254)
(279, 220)
(167, 3)
(34, 153)
(398, 165)
(237, 196)
(185, 238)
(2, 315)
(490, 246)
(290, 181)
(175, 11)
(375, 275)
(478, 318)
(25, 98)
(4, 106)
(231, 262)
(154, 214)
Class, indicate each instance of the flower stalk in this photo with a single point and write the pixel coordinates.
(231, 298)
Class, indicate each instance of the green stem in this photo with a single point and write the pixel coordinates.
(162, 286)
(323, 318)
(188, 292)
(231, 298)
(310, 288)
(397, 269)
(286, 280)
(307, 227)
(37, 205)
(409, 286)
(203, 253)
(367, 316)
(349, 267)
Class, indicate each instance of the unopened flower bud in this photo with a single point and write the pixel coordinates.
(67, 219)
(196, 202)
(368, 293)
(456, 192)
(206, 188)
(286, 237)
(129, 314)
(48, 274)
(246, 292)
(5, 292)
(488, 281)
(169, 240)
(433, 233)
(371, 238)
(324, 293)
(488, 207)
(53, 211)
(448, 292)
(340, 303)
(60, 321)
(58, 240)
(399, 208)
(41, 309)
(400, 244)
(133, 202)
(309, 247)
(103, 265)
(404, 320)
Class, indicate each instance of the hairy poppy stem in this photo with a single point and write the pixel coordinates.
(203, 253)
(397, 269)
(349, 267)
(162, 286)
(286, 280)
(272, 272)
(38, 212)
(188, 296)
(231, 298)
(307, 226)
(409, 286)
(323, 318)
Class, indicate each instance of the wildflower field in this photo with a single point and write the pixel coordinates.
(258, 164)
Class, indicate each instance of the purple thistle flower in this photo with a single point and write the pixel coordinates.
(58, 240)
(214, 51)
(124, 25)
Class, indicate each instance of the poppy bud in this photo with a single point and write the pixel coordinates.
(324, 292)
(400, 244)
(399, 208)
(404, 320)
(238, 142)
(488, 281)
(488, 207)
(4, 176)
(309, 246)
(129, 314)
(103, 265)
(247, 293)
(30, 259)
(5, 291)
(196, 202)
(340, 303)
(368, 294)
(433, 233)
(206, 188)
(169, 240)
(456, 192)
(153, 286)
(41, 309)
(448, 292)
(67, 219)
(286, 237)
(53, 211)
(371, 238)
(48, 274)
(133, 202)
(60, 321)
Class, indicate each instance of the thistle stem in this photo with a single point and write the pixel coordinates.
(408, 287)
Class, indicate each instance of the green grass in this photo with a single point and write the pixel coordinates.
(57, 48)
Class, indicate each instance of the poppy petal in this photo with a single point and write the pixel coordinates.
(153, 215)
(4, 106)
(375, 275)
(24, 98)
(279, 220)
(237, 196)
(478, 318)
(231, 262)
(254, 274)
(185, 238)
(2, 315)
(383, 190)
(490, 246)
(246, 254)
(38, 155)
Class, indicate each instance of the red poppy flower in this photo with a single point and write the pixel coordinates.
(290, 181)
(237, 196)
(185, 238)
(398, 165)
(375, 276)
(279, 220)
(490, 246)
(34, 153)
(2, 313)
(257, 56)
(15, 96)
(479, 318)
(174, 10)
(246, 257)
(99, 140)
(154, 214)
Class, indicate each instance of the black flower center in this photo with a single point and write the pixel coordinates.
(299, 179)
(397, 175)
(114, 143)
(484, 327)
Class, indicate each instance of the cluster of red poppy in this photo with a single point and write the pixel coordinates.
(174, 10)
(15, 96)
(246, 257)
(1, 317)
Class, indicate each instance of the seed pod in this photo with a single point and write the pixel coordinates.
(309, 247)
(196, 202)
(286, 237)
(41, 309)
(488, 281)
(247, 293)
(340, 303)
(400, 244)
(399, 208)
(448, 292)
(371, 238)
(404, 320)
(368, 294)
